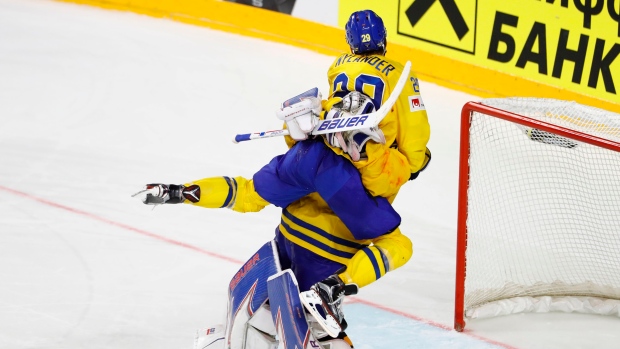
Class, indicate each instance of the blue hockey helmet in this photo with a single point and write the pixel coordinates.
(365, 32)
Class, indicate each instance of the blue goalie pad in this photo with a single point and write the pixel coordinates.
(247, 291)
(287, 311)
(314, 92)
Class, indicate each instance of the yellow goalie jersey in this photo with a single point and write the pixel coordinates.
(311, 224)
(328, 219)
(406, 128)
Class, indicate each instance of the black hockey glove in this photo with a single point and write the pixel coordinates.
(157, 194)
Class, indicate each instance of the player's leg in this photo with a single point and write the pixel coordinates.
(385, 254)
(248, 315)
(324, 299)
(296, 328)
(309, 270)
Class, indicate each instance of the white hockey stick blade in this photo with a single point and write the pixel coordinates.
(310, 299)
(259, 135)
(354, 122)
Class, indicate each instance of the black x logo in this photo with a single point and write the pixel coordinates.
(416, 11)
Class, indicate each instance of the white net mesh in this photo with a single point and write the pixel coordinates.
(543, 210)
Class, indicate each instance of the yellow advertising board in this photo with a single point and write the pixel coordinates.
(573, 45)
(564, 49)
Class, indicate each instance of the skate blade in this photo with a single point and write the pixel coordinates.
(311, 300)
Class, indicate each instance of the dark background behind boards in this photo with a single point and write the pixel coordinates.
(284, 6)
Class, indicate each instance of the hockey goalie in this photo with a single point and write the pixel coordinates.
(338, 232)
(333, 238)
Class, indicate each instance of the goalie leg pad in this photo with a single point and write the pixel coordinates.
(261, 333)
(287, 311)
(247, 292)
(261, 320)
(210, 338)
(255, 339)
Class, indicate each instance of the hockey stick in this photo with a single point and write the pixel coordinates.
(353, 122)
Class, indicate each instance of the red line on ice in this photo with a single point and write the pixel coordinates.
(121, 225)
(228, 259)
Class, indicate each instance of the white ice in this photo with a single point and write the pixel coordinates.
(96, 103)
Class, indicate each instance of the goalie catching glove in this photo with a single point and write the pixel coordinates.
(157, 194)
(353, 142)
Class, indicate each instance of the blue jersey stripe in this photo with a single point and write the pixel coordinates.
(373, 260)
(315, 242)
(322, 232)
(232, 189)
(386, 261)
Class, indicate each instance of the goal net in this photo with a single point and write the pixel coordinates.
(539, 209)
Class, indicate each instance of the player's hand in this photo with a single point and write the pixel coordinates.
(357, 139)
(336, 139)
(154, 194)
(157, 194)
(427, 160)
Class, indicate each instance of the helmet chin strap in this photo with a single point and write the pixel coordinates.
(383, 54)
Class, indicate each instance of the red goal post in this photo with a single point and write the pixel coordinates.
(539, 209)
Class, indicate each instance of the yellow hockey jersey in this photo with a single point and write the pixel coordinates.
(311, 224)
(406, 127)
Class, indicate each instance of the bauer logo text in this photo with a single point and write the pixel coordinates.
(344, 122)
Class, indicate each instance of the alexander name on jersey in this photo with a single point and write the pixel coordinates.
(377, 62)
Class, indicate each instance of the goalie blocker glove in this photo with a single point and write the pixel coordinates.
(157, 194)
(301, 113)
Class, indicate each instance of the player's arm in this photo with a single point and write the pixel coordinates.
(414, 130)
(236, 193)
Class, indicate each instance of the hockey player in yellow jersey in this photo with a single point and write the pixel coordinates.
(405, 130)
(387, 156)
(333, 235)
(364, 78)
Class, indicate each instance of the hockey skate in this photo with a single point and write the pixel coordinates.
(323, 340)
(324, 302)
